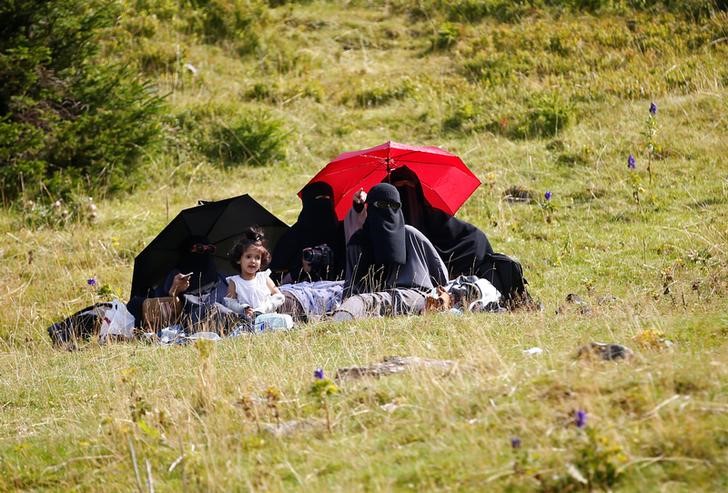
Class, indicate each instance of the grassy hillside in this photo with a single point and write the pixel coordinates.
(541, 95)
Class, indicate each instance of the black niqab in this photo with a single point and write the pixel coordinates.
(197, 257)
(378, 250)
(384, 226)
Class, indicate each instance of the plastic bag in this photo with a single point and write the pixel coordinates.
(273, 321)
(117, 321)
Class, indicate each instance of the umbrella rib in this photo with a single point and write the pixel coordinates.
(428, 163)
(333, 172)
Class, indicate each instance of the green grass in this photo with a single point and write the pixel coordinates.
(347, 75)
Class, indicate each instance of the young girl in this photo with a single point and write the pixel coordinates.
(253, 291)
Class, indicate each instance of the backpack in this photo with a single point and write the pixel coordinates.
(506, 274)
(473, 294)
(80, 326)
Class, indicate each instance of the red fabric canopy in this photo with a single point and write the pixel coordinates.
(446, 180)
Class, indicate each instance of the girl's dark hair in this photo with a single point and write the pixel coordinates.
(252, 237)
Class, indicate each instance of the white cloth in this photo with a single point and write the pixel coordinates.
(254, 292)
(353, 222)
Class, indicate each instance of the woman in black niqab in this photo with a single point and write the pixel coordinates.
(197, 258)
(317, 224)
(462, 246)
(381, 243)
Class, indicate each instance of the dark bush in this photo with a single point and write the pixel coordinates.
(225, 20)
(446, 37)
(67, 120)
(229, 136)
(254, 140)
(474, 11)
(381, 95)
(548, 116)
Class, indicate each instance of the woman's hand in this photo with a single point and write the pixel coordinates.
(180, 284)
(360, 196)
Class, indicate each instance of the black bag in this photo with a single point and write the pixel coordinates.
(506, 274)
(82, 325)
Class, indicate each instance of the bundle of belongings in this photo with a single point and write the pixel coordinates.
(465, 293)
(110, 321)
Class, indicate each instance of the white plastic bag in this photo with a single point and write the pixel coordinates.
(117, 321)
(273, 321)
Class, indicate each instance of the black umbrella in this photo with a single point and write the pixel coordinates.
(221, 222)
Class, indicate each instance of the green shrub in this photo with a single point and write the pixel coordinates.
(494, 69)
(68, 121)
(548, 116)
(460, 118)
(232, 137)
(260, 92)
(381, 95)
(474, 11)
(255, 139)
(158, 58)
(446, 37)
(224, 20)
(279, 3)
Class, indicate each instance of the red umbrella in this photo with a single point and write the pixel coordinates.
(446, 181)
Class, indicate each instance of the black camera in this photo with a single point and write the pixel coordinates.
(319, 256)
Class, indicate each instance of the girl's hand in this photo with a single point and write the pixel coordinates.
(249, 311)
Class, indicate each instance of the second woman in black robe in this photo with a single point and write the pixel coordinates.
(463, 247)
(317, 225)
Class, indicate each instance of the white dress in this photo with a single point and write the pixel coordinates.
(254, 292)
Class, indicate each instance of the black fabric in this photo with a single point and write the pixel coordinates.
(384, 226)
(82, 325)
(204, 276)
(506, 274)
(202, 265)
(222, 222)
(214, 291)
(376, 252)
(317, 224)
(363, 274)
(462, 246)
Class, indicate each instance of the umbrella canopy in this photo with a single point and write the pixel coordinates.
(221, 222)
(446, 180)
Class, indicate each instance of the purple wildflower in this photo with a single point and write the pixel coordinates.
(580, 418)
(631, 162)
(653, 109)
(515, 442)
(547, 195)
(318, 373)
(91, 282)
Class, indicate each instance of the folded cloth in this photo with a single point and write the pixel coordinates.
(316, 298)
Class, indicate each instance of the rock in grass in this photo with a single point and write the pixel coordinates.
(575, 299)
(392, 365)
(604, 351)
(286, 428)
(517, 193)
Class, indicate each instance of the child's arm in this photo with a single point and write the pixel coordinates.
(231, 301)
(272, 286)
(273, 301)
